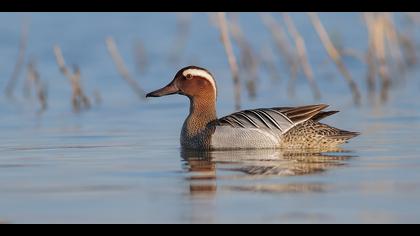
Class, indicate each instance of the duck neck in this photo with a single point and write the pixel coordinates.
(202, 112)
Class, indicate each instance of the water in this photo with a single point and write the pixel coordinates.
(121, 162)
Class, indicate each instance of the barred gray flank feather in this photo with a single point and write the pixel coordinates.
(294, 127)
(278, 119)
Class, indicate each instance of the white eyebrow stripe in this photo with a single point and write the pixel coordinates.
(203, 74)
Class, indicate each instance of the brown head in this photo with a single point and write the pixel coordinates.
(193, 82)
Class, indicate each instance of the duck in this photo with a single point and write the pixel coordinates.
(263, 128)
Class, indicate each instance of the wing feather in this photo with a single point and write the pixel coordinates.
(278, 119)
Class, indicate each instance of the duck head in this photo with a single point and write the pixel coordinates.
(191, 81)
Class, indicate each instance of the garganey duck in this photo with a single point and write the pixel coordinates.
(279, 127)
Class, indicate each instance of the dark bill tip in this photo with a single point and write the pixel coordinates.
(150, 95)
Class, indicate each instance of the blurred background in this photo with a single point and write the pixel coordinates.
(80, 143)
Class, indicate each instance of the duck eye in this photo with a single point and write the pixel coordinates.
(188, 76)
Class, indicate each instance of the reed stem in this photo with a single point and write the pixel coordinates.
(34, 78)
(79, 99)
(302, 55)
(248, 61)
(122, 69)
(224, 33)
(283, 46)
(334, 55)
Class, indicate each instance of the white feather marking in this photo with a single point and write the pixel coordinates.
(203, 74)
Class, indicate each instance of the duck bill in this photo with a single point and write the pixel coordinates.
(167, 90)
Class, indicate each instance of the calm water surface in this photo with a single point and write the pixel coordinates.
(121, 162)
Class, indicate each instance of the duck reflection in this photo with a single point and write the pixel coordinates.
(204, 168)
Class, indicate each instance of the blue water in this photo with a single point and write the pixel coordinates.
(120, 162)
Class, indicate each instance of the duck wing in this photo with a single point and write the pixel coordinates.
(277, 119)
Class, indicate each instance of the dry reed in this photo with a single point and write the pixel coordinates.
(224, 32)
(302, 55)
(33, 78)
(283, 46)
(393, 42)
(409, 49)
(379, 35)
(406, 38)
(122, 69)
(79, 99)
(248, 60)
(371, 54)
(335, 55)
